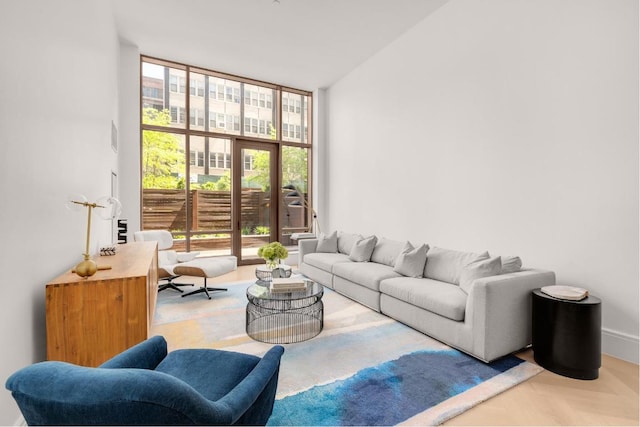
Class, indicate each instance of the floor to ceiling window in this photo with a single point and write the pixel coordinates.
(225, 159)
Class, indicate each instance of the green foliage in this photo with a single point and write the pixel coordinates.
(162, 157)
(262, 230)
(224, 183)
(294, 168)
(272, 132)
(261, 166)
(273, 251)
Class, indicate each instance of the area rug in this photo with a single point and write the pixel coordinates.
(363, 369)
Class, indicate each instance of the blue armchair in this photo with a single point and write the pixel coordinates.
(145, 385)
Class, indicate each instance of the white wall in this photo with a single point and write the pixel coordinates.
(58, 98)
(129, 152)
(506, 125)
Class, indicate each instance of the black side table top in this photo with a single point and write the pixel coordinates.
(588, 300)
(566, 335)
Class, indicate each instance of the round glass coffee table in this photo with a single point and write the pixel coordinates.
(284, 317)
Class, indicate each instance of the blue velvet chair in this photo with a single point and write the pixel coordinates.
(144, 385)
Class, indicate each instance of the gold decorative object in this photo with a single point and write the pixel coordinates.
(88, 267)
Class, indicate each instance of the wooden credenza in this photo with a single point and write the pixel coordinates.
(91, 320)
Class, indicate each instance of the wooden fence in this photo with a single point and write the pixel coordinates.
(211, 217)
(210, 210)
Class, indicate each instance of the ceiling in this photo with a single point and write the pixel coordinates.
(304, 44)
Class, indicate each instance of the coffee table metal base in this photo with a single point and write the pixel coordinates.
(280, 322)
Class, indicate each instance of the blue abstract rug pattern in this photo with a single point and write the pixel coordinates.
(389, 393)
(363, 369)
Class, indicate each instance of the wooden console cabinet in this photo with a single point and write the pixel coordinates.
(91, 320)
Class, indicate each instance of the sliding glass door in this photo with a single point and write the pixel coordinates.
(255, 184)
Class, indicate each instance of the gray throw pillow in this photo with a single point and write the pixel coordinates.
(362, 249)
(411, 260)
(511, 264)
(477, 269)
(328, 243)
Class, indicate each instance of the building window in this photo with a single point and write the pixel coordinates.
(248, 162)
(220, 160)
(196, 158)
(196, 117)
(177, 114)
(196, 87)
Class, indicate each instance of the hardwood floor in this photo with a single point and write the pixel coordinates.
(551, 399)
(548, 398)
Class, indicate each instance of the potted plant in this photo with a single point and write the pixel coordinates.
(272, 253)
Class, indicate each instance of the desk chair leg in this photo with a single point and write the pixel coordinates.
(171, 285)
(204, 289)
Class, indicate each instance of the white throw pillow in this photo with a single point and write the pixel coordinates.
(362, 249)
(328, 243)
(411, 260)
(445, 265)
(477, 269)
(511, 264)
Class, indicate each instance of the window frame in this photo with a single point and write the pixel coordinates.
(269, 98)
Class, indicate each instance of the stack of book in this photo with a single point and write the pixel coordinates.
(289, 284)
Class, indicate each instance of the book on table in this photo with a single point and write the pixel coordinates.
(288, 284)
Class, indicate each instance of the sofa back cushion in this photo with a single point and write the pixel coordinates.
(446, 264)
(386, 251)
(346, 241)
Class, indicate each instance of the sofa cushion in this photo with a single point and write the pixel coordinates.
(511, 264)
(325, 261)
(411, 260)
(486, 267)
(328, 243)
(386, 251)
(367, 274)
(445, 265)
(362, 249)
(346, 241)
(442, 298)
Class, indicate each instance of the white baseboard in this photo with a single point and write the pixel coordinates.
(20, 421)
(621, 345)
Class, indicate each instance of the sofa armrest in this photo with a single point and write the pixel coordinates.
(499, 311)
(306, 246)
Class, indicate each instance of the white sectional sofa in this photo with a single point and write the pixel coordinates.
(475, 302)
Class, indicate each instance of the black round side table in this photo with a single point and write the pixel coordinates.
(566, 335)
